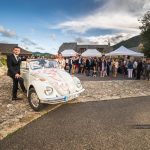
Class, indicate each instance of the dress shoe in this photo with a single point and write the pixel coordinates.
(16, 98)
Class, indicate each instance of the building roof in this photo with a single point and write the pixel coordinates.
(66, 46)
(7, 48)
(76, 47)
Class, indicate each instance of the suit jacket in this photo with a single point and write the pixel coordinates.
(87, 63)
(13, 65)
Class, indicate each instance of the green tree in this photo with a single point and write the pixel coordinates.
(145, 32)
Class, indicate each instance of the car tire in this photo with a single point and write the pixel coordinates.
(34, 101)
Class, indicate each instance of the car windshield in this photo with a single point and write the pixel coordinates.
(43, 63)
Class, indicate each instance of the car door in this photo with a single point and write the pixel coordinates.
(25, 73)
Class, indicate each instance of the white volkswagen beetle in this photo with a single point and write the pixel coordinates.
(47, 83)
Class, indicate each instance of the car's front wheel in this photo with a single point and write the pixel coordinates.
(34, 101)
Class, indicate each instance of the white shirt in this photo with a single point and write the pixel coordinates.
(16, 56)
(67, 60)
(135, 65)
(79, 60)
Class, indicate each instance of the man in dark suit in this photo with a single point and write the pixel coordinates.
(139, 70)
(88, 64)
(13, 64)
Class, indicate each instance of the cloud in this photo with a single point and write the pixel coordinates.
(4, 41)
(26, 48)
(27, 41)
(31, 45)
(54, 51)
(40, 48)
(114, 14)
(101, 21)
(32, 30)
(134, 7)
(7, 32)
(53, 37)
(104, 39)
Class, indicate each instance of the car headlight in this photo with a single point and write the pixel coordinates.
(48, 90)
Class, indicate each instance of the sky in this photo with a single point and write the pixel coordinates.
(43, 25)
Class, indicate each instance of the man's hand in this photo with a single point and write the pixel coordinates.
(17, 75)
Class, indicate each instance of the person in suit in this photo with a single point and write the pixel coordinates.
(87, 67)
(13, 64)
(70, 64)
(139, 70)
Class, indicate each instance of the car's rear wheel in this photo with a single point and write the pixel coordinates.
(34, 101)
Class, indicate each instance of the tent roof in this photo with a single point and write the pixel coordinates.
(91, 53)
(124, 51)
(69, 53)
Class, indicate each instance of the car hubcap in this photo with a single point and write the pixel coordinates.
(34, 100)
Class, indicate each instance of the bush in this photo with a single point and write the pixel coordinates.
(3, 61)
(1, 65)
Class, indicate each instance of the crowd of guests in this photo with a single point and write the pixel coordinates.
(104, 66)
(93, 66)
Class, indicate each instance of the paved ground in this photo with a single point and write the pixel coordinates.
(12, 118)
(83, 77)
(102, 125)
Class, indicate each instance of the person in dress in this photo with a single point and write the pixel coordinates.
(73, 65)
(61, 61)
(116, 65)
(66, 63)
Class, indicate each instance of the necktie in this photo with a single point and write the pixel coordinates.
(17, 58)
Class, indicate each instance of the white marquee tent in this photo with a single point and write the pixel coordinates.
(91, 53)
(123, 51)
(69, 53)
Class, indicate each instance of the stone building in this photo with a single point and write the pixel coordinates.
(81, 48)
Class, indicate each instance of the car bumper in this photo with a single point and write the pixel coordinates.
(61, 99)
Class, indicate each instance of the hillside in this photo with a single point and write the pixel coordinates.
(132, 42)
(41, 54)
